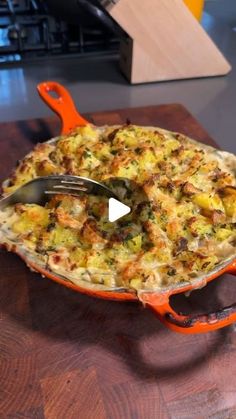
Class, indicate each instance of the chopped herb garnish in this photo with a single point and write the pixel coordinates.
(151, 215)
(57, 205)
(51, 226)
(171, 271)
(114, 152)
(110, 262)
(128, 237)
(87, 154)
(138, 150)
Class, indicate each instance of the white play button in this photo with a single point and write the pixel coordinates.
(117, 210)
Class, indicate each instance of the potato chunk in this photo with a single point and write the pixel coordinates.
(135, 243)
(208, 201)
(229, 200)
(32, 218)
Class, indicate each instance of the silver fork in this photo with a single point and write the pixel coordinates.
(39, 190)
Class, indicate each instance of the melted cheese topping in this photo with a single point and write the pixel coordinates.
(182, 223)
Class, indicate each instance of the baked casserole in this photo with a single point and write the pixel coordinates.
(182, 195)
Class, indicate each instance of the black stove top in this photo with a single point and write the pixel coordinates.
(29, 30)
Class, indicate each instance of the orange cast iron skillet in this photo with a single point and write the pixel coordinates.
(157, 301)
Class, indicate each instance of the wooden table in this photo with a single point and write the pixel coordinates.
(68, 356)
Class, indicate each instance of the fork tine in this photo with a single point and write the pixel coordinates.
(39, 189)
(63, 190)
(73, 188)
(73, 182)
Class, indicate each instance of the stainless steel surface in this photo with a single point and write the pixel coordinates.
(39, 190)
(97, 84)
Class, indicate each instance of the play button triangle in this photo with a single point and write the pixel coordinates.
(117, 209)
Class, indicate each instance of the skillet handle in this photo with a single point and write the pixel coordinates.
(192, 323)
(63, 105)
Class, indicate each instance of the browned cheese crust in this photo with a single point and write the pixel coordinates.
(182, 223)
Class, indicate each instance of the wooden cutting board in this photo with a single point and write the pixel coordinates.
(68, 356)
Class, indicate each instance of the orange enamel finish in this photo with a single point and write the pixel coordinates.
(62, 104)
(163, 310)
(158, 302)
(105, 295)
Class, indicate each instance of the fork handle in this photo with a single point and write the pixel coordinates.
(62, 104)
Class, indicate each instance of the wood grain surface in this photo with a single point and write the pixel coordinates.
(68, 356)
(157, 54)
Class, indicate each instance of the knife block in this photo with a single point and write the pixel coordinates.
(164, 42)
